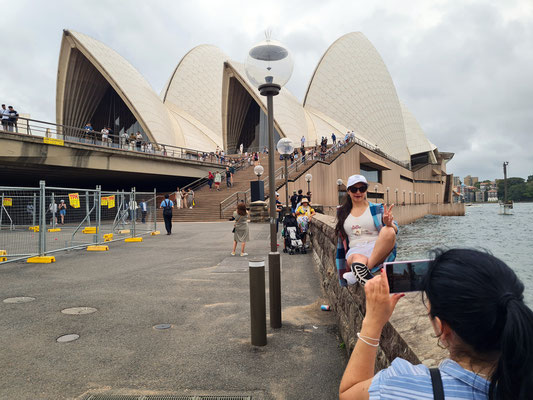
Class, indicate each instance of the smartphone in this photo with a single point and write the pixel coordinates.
(406, 276)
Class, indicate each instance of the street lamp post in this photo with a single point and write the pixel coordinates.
(415, 198)
(404, 197)
(268, 67)
(308, 179)
(339, 184)
(423, 198)
(388, 195)
(396, 191)
(410, 193)
(285, 148)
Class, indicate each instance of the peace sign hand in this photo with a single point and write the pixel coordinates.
(387, 215)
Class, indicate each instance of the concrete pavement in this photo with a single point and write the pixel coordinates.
(188, 280)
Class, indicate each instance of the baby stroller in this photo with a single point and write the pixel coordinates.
(292, 236)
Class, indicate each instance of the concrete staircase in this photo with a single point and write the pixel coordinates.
(207, 201)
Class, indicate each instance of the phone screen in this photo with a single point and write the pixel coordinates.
(406, 276)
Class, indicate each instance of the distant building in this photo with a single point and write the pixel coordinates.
(470, 180)
(479, 196)
(456, 181)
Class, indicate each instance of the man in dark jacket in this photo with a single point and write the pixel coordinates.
(13, 118)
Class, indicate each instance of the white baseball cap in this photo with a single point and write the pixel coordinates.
(277, 194)
(352, 180)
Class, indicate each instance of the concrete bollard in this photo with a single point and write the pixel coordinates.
(257, 302)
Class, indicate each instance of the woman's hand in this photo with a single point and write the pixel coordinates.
(387, 215)
(379, 303)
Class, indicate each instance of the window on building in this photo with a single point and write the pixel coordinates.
(370, 173)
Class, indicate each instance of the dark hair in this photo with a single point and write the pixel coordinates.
(481, 299)
(241, 209)
(300, 191)
(166, 196)
(342, 213)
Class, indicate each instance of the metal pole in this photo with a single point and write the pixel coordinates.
(34, 209)
(286, 185)
(98, 201)
(154, 209)
(274, 261)
(505, 181)
(53, 211)
(87, 209)
(1, 210)
(133, 209)
(42, 218)
(257, 302)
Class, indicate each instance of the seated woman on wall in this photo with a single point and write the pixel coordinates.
(367, 234)
(475, 305)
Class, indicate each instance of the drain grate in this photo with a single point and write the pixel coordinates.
(162, 397)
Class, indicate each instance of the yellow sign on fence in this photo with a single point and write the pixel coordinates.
(103, 201)
(74, 199)
(8, 202)
(111, 201)
(57, 142)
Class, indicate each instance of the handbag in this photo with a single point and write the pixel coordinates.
(436, 382)
(233, 231)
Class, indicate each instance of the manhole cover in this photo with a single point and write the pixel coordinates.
(163, 326)
(79, 310)
(19, 299)
(67, 338)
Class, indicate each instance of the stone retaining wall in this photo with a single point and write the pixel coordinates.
(409, 333)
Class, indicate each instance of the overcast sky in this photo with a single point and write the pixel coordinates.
(463, 68)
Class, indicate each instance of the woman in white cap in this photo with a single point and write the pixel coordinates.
(304, 213)
(367, 234)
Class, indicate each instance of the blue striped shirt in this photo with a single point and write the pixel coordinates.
(403, 380)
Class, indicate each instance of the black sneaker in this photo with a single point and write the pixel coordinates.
(362, 272)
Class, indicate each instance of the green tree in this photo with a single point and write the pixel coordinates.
(477, 185)
(530, 178)
(511, 182)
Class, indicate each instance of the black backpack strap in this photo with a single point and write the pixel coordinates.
(436, 382)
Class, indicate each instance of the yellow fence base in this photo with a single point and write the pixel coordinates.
(42, 260)
(97, 248)
(156, 233)
(3, 253)
(34, 228)
(124, 231)
(54, 230)
(133, 239)
(108, 237)
(90, 229)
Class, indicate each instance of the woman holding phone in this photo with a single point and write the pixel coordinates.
(366, 234)
(476, 306)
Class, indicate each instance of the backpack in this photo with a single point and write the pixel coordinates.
(167, 209)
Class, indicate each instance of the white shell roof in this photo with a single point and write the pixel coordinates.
(417, 142)
(352, 85)
(134, 90)
(195, 88)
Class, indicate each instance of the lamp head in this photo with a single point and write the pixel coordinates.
(269, 62)
(285, 146)
(308, 177)
(258, 170)
(339, 182)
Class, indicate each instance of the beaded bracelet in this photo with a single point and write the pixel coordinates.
(359, 336)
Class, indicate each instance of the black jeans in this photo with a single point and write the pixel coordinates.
(168, 223)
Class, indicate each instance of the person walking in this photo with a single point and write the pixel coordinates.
(183, 195)
(241, 232)
(62, 211)
(178, 198)
(167, 206)
(190, 198)
(228, 178)
(304, 214)
(232, 172)
(218, 179)
(334, 138)
(144, 210)
(138, 140)
(13, 118)
(5, 118)
(210, 178)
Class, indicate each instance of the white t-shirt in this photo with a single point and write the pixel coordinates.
(360, 230)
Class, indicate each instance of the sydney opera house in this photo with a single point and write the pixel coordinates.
(208, 102)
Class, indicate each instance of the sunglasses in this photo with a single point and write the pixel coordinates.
(355, 189)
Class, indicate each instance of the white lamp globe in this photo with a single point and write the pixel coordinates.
(258, 170)
(339, 182)
(269, 62)
(308, 177)
(285, 146)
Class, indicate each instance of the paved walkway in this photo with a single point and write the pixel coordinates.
(188, 280)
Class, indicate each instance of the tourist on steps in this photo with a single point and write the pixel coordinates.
(475, 304)
(366, 234)
(218, 179)
(178, 198)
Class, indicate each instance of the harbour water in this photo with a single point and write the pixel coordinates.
(509, 237)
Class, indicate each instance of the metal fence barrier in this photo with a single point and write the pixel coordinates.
(45, 220)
